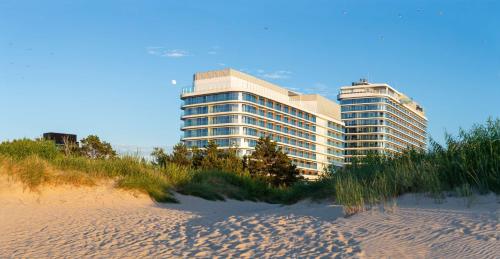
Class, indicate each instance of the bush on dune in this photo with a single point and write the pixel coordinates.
(39, 162)
(466, 164)
(218, 185)
(23, 148)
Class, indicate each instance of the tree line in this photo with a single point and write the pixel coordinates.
(267, 161)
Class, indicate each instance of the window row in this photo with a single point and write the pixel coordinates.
(335, 135)
(335, 152)
(211, 98)
(299, 153)
(362, 100)
(335, 143)
(364, 122)
(405, 130)
(364, 137)
(211, 132)
(364, 144)
(363, 107)
(279, 117)
(211, 120)
(221, 142)
(404, 122)
(362, 152)
(211, 109)
(278, 138)
(278, 106)
(335, 126)
(355, 115)
(366, 130)
(401, 110)
(385, 100)
(335, 160)
(279, 127)
(305, 164)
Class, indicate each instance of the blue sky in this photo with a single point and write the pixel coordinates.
(105, 67)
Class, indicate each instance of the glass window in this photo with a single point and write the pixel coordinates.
(225, 131)
(249, 97)
(211, 98)
(196, 121)
(224, 108)
(224, 119)
(196, 110)
(196, 133)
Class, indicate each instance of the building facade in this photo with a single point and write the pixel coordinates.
(380, 119)
(234, 109)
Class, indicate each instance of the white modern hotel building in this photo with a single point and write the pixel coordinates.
(234, 109)
(380, 119)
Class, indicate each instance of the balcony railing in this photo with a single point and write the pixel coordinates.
(187, 90)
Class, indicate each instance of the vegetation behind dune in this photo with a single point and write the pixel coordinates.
(468, 163)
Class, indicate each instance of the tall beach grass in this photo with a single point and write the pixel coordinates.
(467, 163)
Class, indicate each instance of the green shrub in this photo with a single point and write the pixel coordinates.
(178, 175)
(23, 148)
(467, 162)
(218, 185)
(153, 183)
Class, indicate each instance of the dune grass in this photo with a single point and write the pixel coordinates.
(217, 185)
(39, 162)
(468, 163)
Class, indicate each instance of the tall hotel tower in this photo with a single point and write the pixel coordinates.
(235, 109)
(380, 119)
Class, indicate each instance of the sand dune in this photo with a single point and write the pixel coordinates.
(102, 222)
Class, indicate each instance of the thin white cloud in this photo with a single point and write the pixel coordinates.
(169, 53)
(321, 89)
(176, 53)
(212, 52)
(221, 64)
(154, 50)
(280, 74)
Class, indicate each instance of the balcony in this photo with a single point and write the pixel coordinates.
(187, 90)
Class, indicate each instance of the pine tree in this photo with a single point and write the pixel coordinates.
(269, 161)
(180, 155)
(92, 147)
(160, 158)
(211, 159)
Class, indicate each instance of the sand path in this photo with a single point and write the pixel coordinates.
(102, 222)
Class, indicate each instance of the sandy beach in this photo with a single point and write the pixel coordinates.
(103, 222)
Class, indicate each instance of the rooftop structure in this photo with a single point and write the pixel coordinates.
(60, 138)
